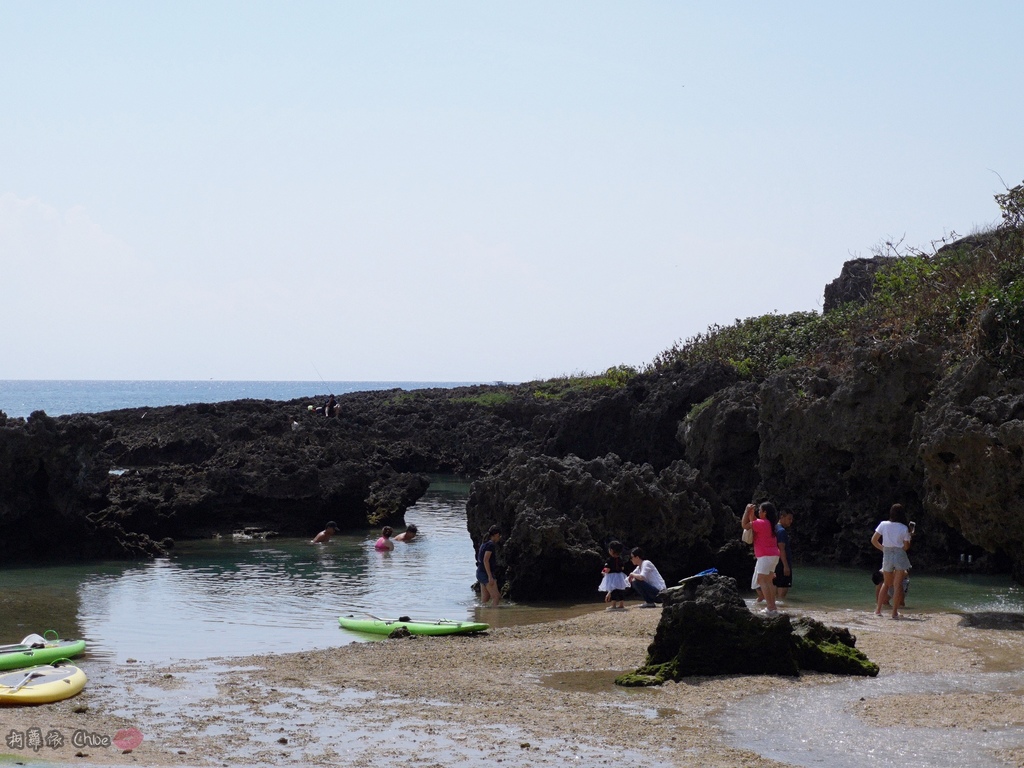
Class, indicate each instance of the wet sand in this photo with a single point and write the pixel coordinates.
(534, 695)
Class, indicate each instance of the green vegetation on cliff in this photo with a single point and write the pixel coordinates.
(967, 297)
(556, 389)
(757, 346)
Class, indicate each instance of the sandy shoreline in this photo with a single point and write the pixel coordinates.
(540, 694)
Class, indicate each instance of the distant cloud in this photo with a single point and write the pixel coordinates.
(46, 246)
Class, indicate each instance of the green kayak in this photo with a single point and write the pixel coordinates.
(377, 626)
(35, 650)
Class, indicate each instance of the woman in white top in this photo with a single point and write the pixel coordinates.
(892, 537)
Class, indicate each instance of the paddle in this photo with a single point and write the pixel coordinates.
(24, 680)
(708, 572)
(378, 618)
(30, 642)
(407, 619)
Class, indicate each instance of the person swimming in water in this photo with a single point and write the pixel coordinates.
(408, 534)
(325, 535)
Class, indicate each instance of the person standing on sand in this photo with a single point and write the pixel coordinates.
(784, 570)
(892, 538)
(325, 535)
(762, 521)
(485, 567)
(645, 578)
(878, 579)
(614, 582)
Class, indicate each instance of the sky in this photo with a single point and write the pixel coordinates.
(466, 191)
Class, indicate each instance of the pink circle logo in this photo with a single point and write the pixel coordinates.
(128, 738)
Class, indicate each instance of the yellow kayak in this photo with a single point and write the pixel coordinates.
(41, 685)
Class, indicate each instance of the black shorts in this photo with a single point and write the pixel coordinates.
(781, 579)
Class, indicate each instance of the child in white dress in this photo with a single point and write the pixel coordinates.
(614, 583)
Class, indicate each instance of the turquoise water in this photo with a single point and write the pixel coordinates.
(849, 588)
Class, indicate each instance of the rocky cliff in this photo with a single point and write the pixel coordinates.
(909, 390)
(835, 417)
(128, 482)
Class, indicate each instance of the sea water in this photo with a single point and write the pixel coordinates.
(840, 588)
(233, 596)
(817, 726)
(19, 398)
(229, 597)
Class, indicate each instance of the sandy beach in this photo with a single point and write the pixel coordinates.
(533, 695)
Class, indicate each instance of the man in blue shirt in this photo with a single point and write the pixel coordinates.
(784, 570)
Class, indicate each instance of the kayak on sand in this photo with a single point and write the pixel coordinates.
(38, 649)
(378, 626)
(41, 685)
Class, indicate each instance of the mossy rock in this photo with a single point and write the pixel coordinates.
(822, 648)
(833, 658)
(638, 680)
(713, 633)
(695, 639)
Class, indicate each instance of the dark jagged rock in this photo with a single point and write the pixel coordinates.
(855, 283)
(558, 515)
(838, 448)
(637, 422)
(53, 496)
(181, 472)
(993, 620)
(841, 453)
(971, 444)
(838, 443)
(390, 496)
(109, 485)
(708, 630)
(721, 437)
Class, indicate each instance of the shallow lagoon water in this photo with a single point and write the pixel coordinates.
(228, 597)
(232, 598)
(838, 588)
(820, 728)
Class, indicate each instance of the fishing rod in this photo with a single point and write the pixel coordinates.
(327, 387)
(317, 372)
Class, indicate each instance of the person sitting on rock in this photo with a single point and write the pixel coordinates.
(646, 580)
(325, 535)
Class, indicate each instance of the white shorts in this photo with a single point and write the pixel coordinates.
(764, 566)
(894, 559)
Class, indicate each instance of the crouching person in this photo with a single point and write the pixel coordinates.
(645, 579)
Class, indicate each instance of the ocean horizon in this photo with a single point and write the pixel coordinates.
(21, 397)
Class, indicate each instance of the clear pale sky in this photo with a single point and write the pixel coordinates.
(466, 190)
